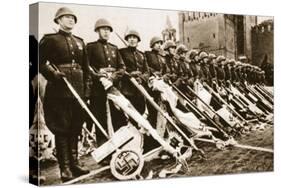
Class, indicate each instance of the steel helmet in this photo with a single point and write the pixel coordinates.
(212, 56)
(203, 55)
(192, 54)
(132, 33)
(168, 44)
(154, 40)
(181, 48)
(220, 59)
(62, 12)
(102, 23)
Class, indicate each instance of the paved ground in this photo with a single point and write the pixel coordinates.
(232, 160)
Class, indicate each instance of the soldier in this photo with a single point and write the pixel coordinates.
(63, 115)
(171, 61)
(185, 74)
(212, 68)
(157, 66)
(206, 75)
(233, 74)
(137, 67)
(238, 70)
(226, 68)
(105, 58)
(155, 59)
(220, 70)
(194, 64)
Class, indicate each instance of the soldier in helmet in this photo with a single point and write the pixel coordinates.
(157, 66)
(137, 67)
(155, 57)
(185, 74)
(220, 70)
(105, 58)
(171, 61)
(233, 75)
(212, 67)
(238, 71)
(63, 115)
(206, 75)
(195, 64)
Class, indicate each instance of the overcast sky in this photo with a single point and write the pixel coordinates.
(147, 22)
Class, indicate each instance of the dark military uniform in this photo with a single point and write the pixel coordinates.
(227, 73)
(134, 61)
(103, 54)
(156, 62)
(239, 76)
(174, 70)
(195, 68)
(206, 75)
(63, 114)
(185, 78)
(68, 53)
(233, 73)
(220, 75)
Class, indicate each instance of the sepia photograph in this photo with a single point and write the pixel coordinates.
(120, 93)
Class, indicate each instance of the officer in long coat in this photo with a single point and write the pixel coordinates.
(105, 58)
(137, 67)
(63, 114)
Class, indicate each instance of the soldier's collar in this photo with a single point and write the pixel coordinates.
(64, 32)
(103, 41)
(132, 48)
(155, 51)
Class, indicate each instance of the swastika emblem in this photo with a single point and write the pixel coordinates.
(126, 164)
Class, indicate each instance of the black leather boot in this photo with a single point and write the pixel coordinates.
(75, 167)
(63, 158)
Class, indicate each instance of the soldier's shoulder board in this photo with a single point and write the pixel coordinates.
(122, 49)
(112, 45)
(141, 54)
(91, 43)
(78, 37)
(50, 34)
(46, 37)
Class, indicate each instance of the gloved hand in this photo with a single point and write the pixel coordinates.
(98, 75)
(173, 77)
(58, 75)
(135, 73)
(117, 75)
(166, 78)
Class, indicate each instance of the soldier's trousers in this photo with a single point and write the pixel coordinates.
(64, 117)
(98, 107)
(66, 151)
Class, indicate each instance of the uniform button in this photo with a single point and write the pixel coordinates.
(105, 46)
(106, 52)
(68, 38)
(71, 45)
(72, 53)
(108, 59)
(73, 60)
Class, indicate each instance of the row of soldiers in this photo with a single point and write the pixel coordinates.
(64, 55)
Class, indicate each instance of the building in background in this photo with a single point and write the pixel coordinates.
(222, 34)
(262, 43)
